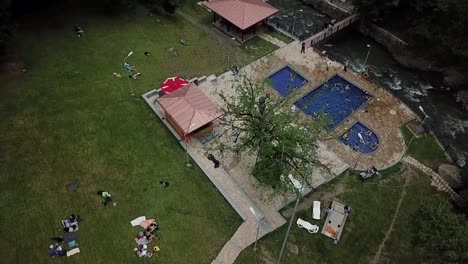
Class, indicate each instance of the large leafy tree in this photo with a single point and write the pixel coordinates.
(440, 231)
(268, 129)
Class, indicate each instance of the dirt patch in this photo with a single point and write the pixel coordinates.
(11, 67)
(267, 257)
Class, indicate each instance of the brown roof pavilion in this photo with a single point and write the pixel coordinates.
(189, 108)
(242, 13)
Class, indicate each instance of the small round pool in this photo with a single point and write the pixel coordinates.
(366, 143)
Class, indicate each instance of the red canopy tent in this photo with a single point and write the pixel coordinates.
(188, 110)
(172, 84)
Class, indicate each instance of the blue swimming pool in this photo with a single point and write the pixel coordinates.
(369, 142)
(335, 99)
(286, 80)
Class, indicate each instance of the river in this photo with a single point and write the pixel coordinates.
(446, 118)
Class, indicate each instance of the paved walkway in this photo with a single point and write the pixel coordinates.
(234, 180)
(272, 40)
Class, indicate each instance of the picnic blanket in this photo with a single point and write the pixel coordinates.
(73, 252)
(68, 237)
(138, 220)
(142, 241)
(145, 224)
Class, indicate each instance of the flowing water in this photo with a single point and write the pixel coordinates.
(446, 118)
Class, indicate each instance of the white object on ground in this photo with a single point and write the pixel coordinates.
(73, 252)
(316, 210)
(310, 227)
(138, 220)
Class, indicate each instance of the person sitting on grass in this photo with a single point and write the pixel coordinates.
(149, 234)
(235, 69)
(79, 32)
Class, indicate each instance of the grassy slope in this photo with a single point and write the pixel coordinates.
(373, 202)
(69, 120)
(425, 149)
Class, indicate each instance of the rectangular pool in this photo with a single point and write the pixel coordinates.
(336, 99)
(286, 80)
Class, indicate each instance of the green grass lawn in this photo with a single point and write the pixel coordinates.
(425, 149)
(69, 120)
(373, 203)
(253, 49)
(280, 36)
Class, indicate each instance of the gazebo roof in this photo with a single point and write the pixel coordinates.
(242, 13)
(189, 107)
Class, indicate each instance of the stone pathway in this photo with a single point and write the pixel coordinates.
(438, 182)
(272, 40)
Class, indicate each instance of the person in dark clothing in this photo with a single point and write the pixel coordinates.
(79, 32)
(214, 160)
(303, 47)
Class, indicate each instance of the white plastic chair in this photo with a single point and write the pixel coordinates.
(316, 210)
(310, 227)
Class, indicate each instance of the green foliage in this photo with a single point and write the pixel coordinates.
(165, 6)
(269, 130)
(443, 233)
(6, 27)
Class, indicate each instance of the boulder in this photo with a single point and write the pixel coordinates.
(293, 248)
(451, 174)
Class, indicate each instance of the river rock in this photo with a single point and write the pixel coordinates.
(293, 248)
(451, 174)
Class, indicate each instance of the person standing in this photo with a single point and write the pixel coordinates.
(303, 47)
(106, 196)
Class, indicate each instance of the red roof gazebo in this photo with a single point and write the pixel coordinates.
(189, 111)
(242, 19)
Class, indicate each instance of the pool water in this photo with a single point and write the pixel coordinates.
(369, 142)
(335, 99)
(286, 80)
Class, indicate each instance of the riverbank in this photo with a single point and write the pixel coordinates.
(451, 77)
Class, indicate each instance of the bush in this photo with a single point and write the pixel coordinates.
(440, 231)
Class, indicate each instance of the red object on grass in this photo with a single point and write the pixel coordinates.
(172, 84)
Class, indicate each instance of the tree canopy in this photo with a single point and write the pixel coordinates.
(440, 231)
(271, 131)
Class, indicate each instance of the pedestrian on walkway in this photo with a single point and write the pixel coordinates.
(303, 47)
(346, 67)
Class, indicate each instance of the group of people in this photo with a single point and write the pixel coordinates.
(131, 70)
(149, 233)
(69, 227)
